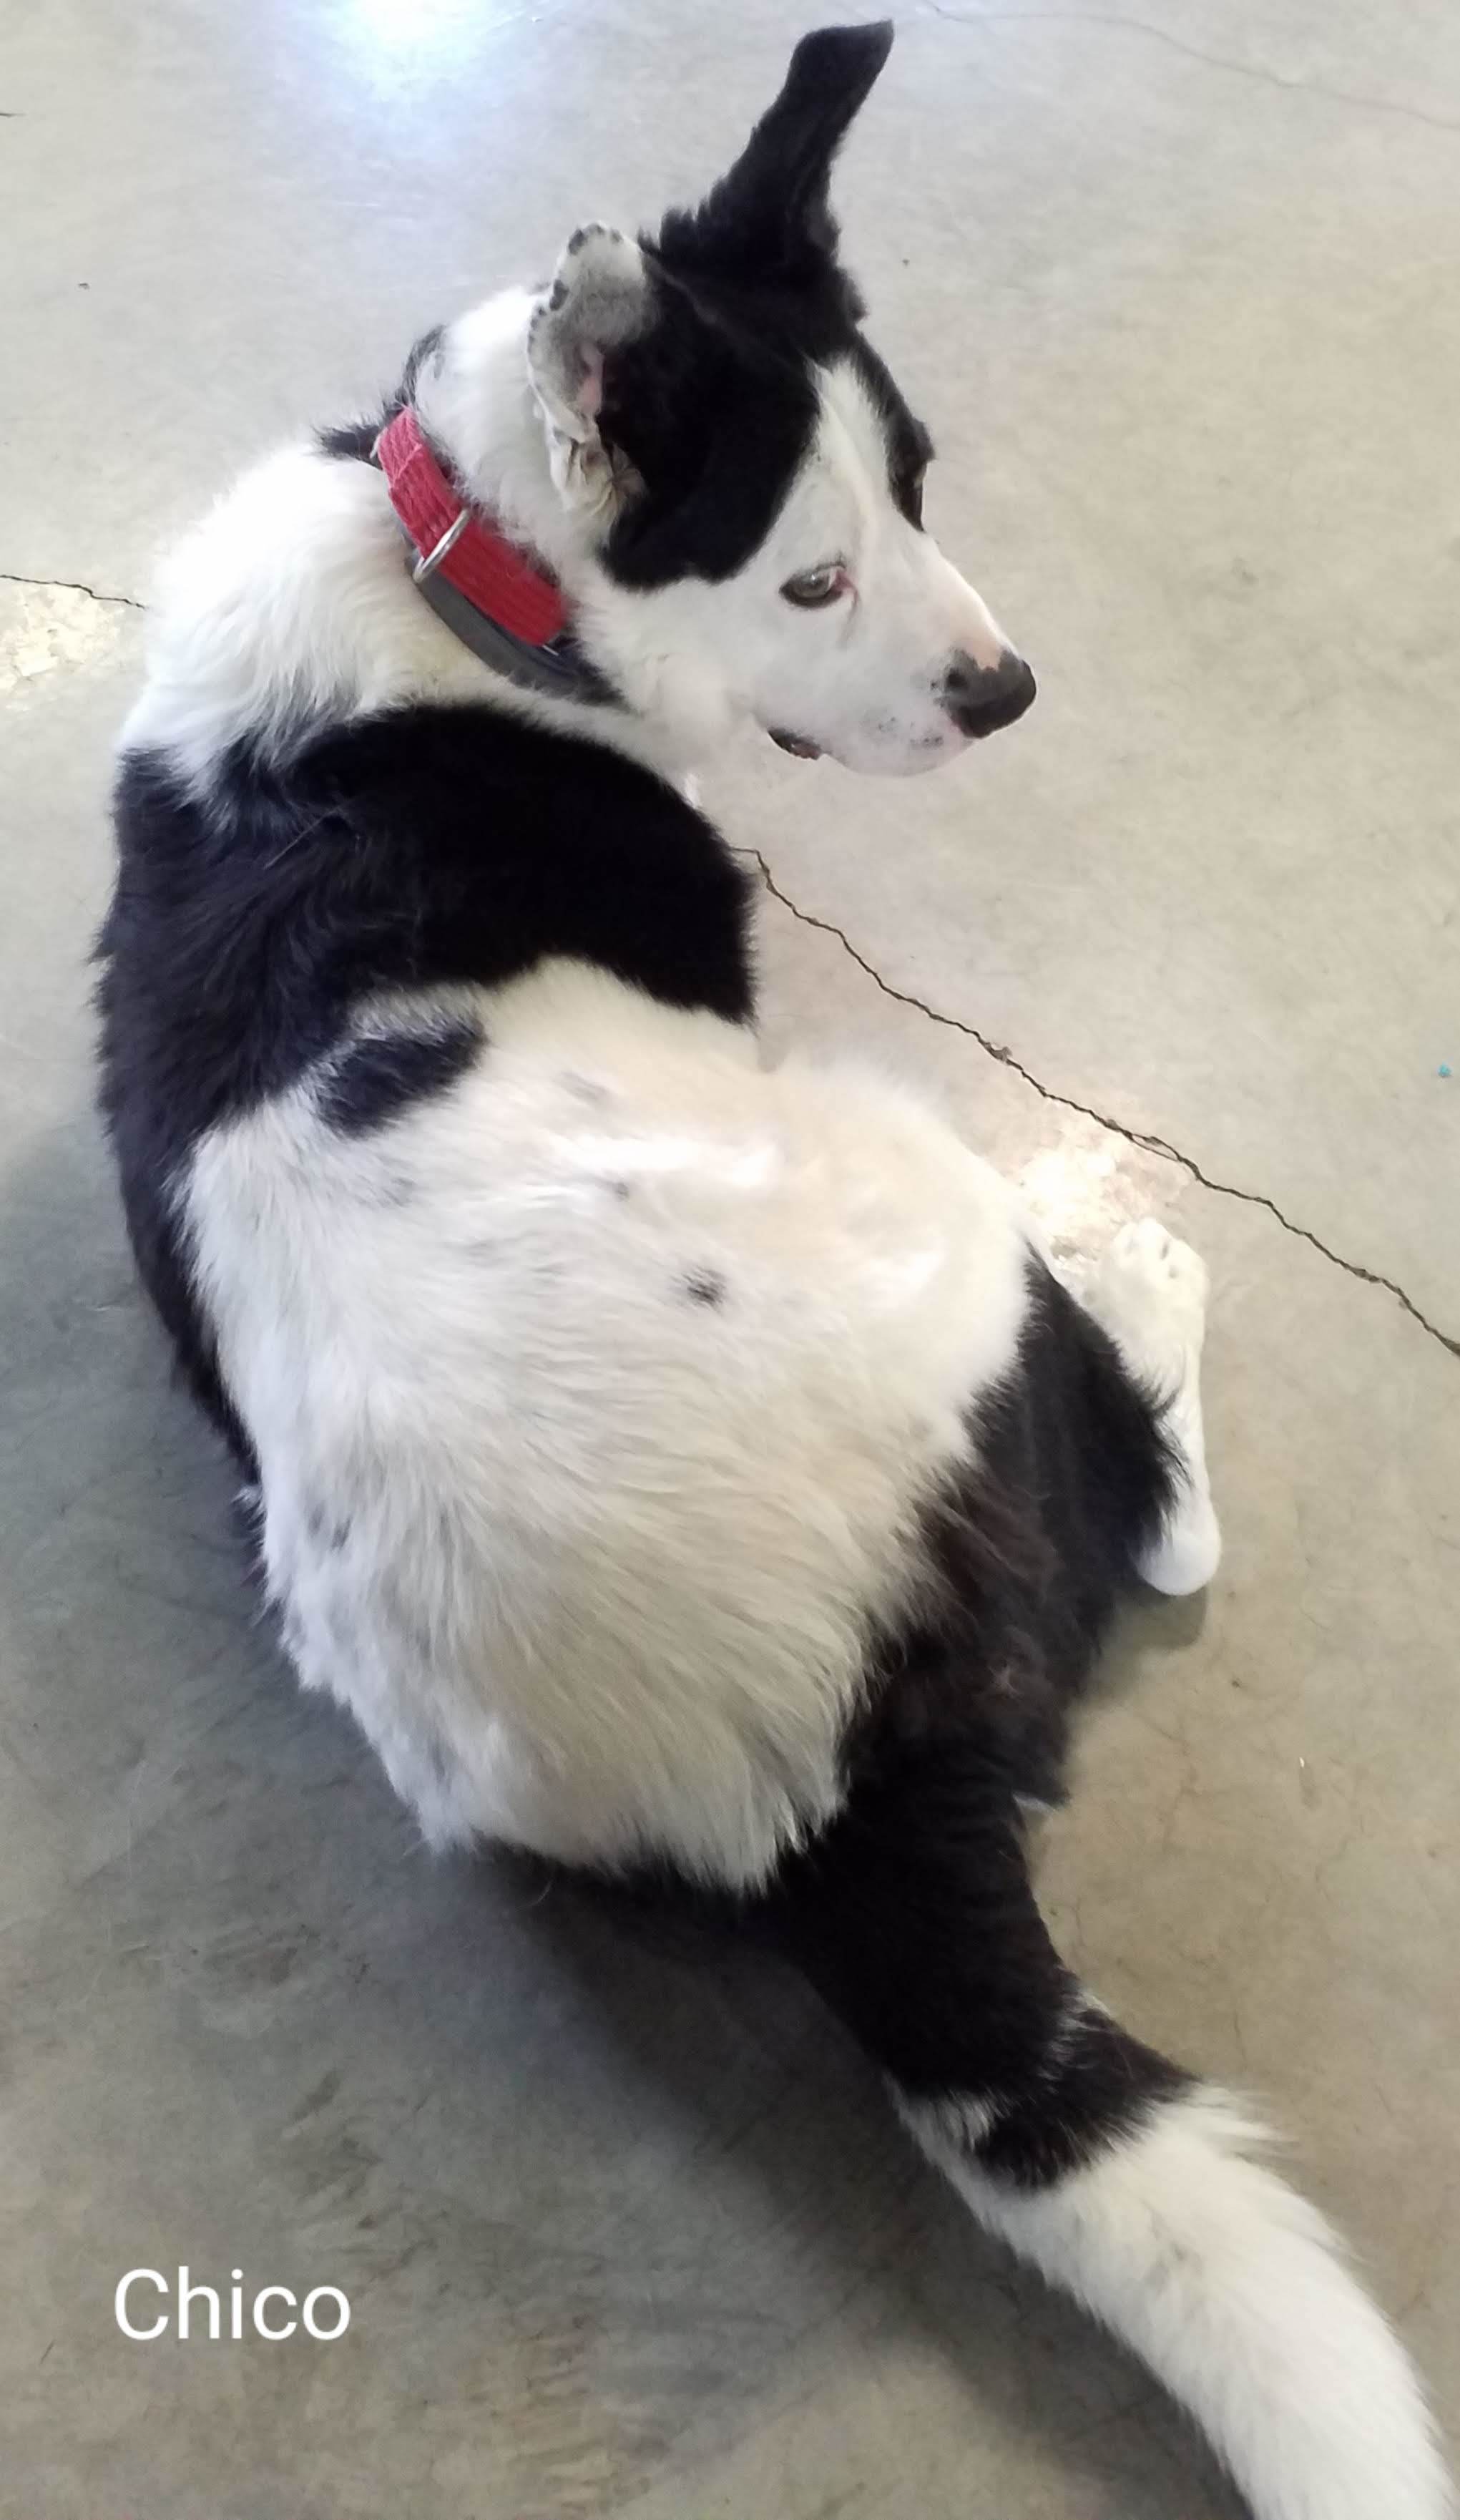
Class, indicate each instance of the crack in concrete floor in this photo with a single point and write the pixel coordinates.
(69, 586)
(998, 1051)
(1254, 70)
(1150, 1144)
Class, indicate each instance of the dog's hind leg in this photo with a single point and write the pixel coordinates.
(1123, 2179)
(1150, 1293)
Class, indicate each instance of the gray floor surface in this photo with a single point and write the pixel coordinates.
(624, 2225)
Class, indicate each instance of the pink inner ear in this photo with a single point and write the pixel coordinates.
(591, 391)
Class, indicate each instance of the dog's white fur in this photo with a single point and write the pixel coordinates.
(1234, 2289)
(591, 1560)
(1150, 1291)
(584, 1599)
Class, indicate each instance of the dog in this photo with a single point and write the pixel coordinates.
(677, 1468)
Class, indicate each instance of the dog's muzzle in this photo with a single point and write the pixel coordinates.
(981, 698)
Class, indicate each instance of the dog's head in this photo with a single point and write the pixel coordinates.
(752, 475)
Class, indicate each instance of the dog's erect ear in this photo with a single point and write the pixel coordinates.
(770, 219)
(596, 302)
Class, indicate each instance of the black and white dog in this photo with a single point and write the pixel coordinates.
(675, 1465)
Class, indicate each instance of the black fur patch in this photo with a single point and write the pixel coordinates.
(426, 846)
(1093, 2085)
(380, 1077)
(715, 413)
(704, 1286)
(913, 1912)
(1028, 1551)
(909, 446)
(355, 439)
(716, 406)
(915, 1919)
(714, 403)
(767, 223)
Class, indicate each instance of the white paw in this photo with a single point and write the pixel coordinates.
(1150, 1291)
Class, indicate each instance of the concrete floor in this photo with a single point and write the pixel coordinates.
(625, 2227)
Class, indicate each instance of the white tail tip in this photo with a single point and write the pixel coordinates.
(1232, 2288)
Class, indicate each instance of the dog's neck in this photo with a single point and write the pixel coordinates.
(475, 401)
(291, 610)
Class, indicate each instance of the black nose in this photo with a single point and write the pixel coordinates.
(981, 698)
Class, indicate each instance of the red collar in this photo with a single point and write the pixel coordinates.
(456, 543)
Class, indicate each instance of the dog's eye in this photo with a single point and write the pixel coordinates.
(816, 586)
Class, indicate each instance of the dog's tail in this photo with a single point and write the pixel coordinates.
(1126, 2182)
(1232, 2288)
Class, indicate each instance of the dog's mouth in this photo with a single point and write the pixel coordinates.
(798, 745)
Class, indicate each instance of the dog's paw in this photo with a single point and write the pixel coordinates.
(1150, 1293)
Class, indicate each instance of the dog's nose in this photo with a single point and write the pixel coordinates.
(981, 698)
